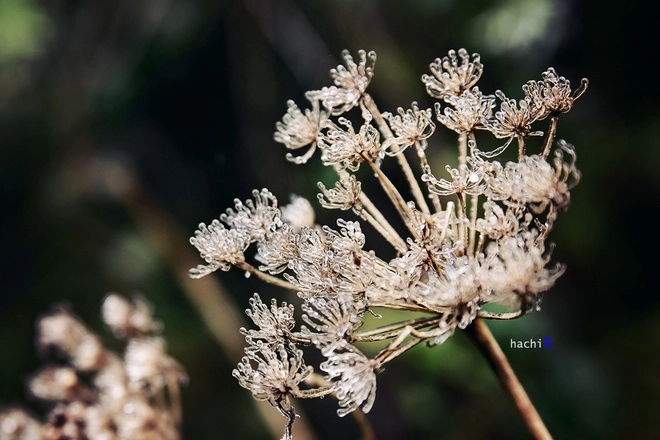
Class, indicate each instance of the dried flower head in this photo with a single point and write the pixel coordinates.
(412, 127)
(452, 75)
(298, 130)
(351, 83)
(467, 112)
(553, 93)
(474, 237)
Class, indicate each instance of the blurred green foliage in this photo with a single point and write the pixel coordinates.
(185, 95)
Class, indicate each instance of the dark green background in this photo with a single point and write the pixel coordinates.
(186, 94)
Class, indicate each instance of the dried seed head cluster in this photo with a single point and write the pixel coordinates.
(96, 393)
(475, 233)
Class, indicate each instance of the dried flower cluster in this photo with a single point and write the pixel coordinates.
(96, 393)
(475, 232)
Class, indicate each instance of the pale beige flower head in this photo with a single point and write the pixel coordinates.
(453, 74)
(351, 82)
(467, 111)
(298, 130)
(553, 93)
(412, 127)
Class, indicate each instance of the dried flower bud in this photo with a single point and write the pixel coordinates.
(298, 213)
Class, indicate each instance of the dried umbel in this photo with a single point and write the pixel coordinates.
(98, 394)
(475, 231)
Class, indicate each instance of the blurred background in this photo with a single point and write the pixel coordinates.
(124, 124)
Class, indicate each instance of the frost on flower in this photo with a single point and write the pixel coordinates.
(344, 196)
(351, 83)
(299, 213)
(273, 373)
(347, 148)
(453, 74)
(298, 129)
(462, 235)
(331, 322)
(223, 242)
(467, 111)
(515, 270)
(411, 127)
(275, 322)
(355, 376)
(553, 93)
(514, 119)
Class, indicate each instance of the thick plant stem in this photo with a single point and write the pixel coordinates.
(483, 338)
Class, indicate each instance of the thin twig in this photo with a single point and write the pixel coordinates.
(247, 267)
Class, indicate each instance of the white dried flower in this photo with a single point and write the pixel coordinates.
(348, 149)
(142, 421)
(62, 332)
(356, 379)
(351, 83)
(452, 75)
(17, 424)
(553, 93)
(497, 222)
(56, 383)
(219, 246)
(411, 127)
(148, 367)
(130, 397)
(535, 183)
(514, 270)
(298, 129)
(254, 218)
(275, 323)
(467, 112)
(331, 321)
(128, 318)
(281, 248)
(345, 194)
(463, 181)
(513, 119)
(250, 222)
(272, 373)
(475, 237)
(299, 213)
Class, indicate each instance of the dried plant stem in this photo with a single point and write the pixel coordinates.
(551, 136)
(403, 162)
(474, 207)
(364, 425)
(483, 338)
(396, 198)
(414, 184)
(392, 238)
(247, 267)
(462, 151)
(521, 147)
(425, 163)
(390, 330)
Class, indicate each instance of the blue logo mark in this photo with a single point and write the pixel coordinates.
(547, 342)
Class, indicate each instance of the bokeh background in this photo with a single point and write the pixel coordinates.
(124, 124)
